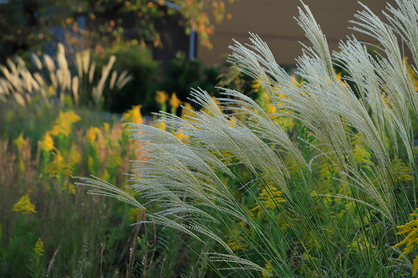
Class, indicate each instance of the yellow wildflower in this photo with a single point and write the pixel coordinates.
(217, 102)
(39, 247)
(411, 240)
(48, 143)
(270, 198)
(161, 97)
(415, 266)
(256, 86)
(268, 270)
(160, 125)
(59, 167)
(233, 122)
(339, 79)
(20, 141)
(24, 205)
(187, 110)
(361, 244)
(181, 136)
(92, 133)
(271, 109)
(174, 101)
(283, 222)
(133, 115)
(64, 123)
(295, 82)
(403, 170)
(236, 241)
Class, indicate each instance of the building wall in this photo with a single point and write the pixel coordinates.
(273, 21)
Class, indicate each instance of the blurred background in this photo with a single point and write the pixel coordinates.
(165, 46)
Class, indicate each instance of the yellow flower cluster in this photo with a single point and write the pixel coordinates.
(403, 170)
(92, 133)
(64, 122)
(188, 111)
(24, 205)
(133, 116)
(270, 198)
(39, 247)
(47, 144)
(59, 167)
(161, 97)
(236, 240)
(411, 240)
(269, 270)
(174, 101)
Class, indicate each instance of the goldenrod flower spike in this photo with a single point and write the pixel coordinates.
(92, 133)
(24, 205)
(161, 97)
(64, 123)
(47, 144)
(39, 247)
(133, 115)
(411, 240)
(174, 101)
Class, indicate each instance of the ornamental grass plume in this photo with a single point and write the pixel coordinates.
(54, 76)
(315, 187)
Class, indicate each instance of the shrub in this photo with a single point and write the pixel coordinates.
(182, 74)
(137, 60)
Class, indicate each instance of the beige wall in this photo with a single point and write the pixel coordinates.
(273, 21)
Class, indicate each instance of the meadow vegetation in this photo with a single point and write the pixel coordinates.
(52, 227)
(315, 178)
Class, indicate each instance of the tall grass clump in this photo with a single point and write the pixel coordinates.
(59, 79)
(316, 179)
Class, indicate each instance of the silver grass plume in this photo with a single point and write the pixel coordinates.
(19, 80)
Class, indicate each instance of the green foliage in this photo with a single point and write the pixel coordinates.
(137, 60)
(181, 75)
(31, 25)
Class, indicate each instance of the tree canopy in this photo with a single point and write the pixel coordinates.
(30, 24)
